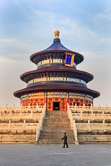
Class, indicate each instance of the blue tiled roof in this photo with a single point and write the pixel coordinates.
(57, 46)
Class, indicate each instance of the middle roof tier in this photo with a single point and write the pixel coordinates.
(67, 73)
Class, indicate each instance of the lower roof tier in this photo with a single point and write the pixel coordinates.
(59, 88)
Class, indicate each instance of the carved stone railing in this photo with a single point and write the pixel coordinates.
(90, 112)
(73, 124)
(39, 128)
(20, 112)
(23, 116)
(86, 115)
(7, 109)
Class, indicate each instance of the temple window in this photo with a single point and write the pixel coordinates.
(46, 61)
(57, 78)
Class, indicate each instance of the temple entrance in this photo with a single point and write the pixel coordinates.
(56, 106)
(59, 104)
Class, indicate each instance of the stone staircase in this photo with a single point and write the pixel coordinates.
(54, 126)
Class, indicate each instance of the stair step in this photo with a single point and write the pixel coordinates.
(56, 134)
(54, 141)
(56, 138)
(57, 131)
(54, 126)
(57, 120)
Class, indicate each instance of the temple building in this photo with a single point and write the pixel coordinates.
(56, 81)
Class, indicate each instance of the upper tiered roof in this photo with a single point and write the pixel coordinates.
(55, 47)
(57, 43)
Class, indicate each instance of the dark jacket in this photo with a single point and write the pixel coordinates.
(65, 138)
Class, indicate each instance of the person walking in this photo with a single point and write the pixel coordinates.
(65, 141)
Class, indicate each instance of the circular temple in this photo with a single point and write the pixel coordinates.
(56, 81)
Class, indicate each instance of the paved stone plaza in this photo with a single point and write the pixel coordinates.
(33, 155)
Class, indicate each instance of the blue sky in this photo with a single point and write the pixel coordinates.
(27, 26)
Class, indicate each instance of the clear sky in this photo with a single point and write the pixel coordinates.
(27, 26)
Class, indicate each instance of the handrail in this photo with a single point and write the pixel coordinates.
(73, 124)
(16, 109)
(40, 124)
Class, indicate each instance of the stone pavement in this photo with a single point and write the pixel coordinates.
(38, 155)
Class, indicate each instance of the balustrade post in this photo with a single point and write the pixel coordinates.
(92, 115)
(81, 114)
(20, 112)
(102, 109)
(83, 107)
(31, 113)
(9, 124)
(13, 106)
(37, 106)
(104, 126)
(29, 107)
(106, 107)
(10, 114)
(75, 105)
(99, 107)
(6, 106)
(24, 125)
(89, 125)
(91, 107)
(103, 115)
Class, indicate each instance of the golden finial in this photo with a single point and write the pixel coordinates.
(56, 34)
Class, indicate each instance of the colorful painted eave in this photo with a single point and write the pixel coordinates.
(82, 90)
